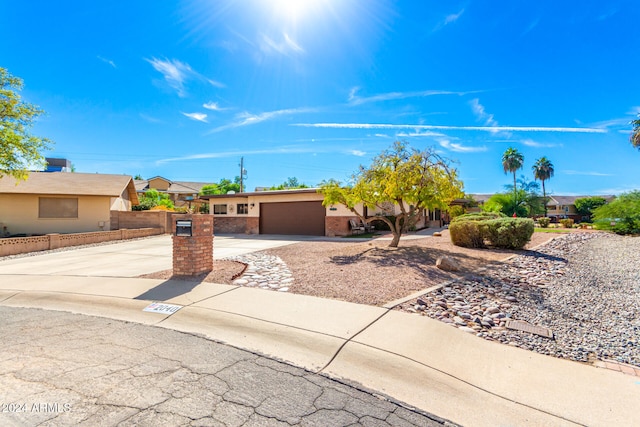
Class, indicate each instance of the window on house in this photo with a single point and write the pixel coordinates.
(57, 207)
(243, 208)
(219, 209)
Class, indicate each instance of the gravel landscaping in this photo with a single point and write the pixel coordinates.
(584, 287)
(369, 272)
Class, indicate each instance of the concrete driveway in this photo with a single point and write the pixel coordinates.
(134, 257)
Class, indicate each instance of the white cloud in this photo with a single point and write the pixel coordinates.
(492, 129)
(445, 143)
(419, 134)
(448, 20)
(149, 118)
(214, 106)
(613, 123)
(107, 61)
(352, 93)
(245, 118)
(357, 153)
(532, 143)
(616, 190)
(356, 100)
(220, 155)
(285, 46)
(481, 114)
(176, 73)
(453, 17)
(215, 83)
(585, 173)
(200, 117)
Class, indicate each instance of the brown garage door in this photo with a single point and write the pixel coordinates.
(305, 218)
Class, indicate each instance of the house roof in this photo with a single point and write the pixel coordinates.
(553, 200)
(481, 198)
(66, 183)
(571, 200)
(261, 193)
(188, 187)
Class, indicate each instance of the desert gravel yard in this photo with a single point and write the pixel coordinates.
(581, 289)
(369, 272)
(577, 294)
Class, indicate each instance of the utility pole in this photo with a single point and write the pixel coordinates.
(243, 174)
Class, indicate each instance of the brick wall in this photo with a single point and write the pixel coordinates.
(193, 255)
(338, 225)
(253, 225)
(232, 224)
(21, 245)
(141, 219)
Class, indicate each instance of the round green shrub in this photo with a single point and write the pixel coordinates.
(500, 232)
(466, 234)
(478, 216)
(544, 222)
(509, 233)
(566, 222)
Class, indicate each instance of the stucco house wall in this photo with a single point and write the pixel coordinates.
(19, 212)
(336, 216)
(30, 206)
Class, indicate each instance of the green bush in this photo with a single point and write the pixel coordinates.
(510, 233)
(500, 232)
(544, 222)
(466, 234)
(621, 216)
(478, 216)
(566, 222)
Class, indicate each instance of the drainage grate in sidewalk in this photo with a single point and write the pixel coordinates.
(521, 325)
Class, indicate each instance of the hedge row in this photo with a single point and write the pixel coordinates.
(475, 230)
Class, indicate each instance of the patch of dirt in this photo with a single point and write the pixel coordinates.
(372, 273)
(224, 272)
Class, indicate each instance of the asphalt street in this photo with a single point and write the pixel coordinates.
(61, 369)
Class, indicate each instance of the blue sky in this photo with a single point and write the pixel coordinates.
(314, 88)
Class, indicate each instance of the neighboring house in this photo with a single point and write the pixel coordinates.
(180, 192)
(557, 206)
(297, 211)
(61, 202)
(565, 206)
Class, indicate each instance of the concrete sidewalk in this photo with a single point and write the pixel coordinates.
(417, 360)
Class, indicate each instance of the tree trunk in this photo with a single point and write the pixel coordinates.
(396, 239)
(515, 197)
(396, 229)
(544, 199)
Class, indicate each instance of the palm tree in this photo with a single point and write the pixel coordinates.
(543, 170)
(635, 136)
(512, 160)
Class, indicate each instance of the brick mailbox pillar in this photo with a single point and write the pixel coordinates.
(192, 244)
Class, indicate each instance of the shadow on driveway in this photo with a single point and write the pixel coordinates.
(169, 289)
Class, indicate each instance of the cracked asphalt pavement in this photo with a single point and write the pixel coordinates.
(59, 369)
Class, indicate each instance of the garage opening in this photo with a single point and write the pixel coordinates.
(302, 218)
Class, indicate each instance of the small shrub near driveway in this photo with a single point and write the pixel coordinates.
(465, 229)
(566, 222)
(471, 231)
(466, 234)
(544, 222)
(509, 233)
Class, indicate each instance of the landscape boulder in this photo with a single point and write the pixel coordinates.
(447, 264)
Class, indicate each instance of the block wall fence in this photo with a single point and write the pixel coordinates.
(20, 245)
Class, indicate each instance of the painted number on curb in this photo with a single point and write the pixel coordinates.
(157, 307)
